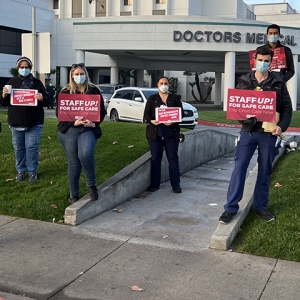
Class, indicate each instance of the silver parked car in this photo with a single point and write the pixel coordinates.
(107, 90)
(128, 104)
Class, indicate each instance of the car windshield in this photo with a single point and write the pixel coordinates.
(107, 89)
(148, 93)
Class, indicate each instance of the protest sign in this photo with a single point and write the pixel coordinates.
(278, 61)
(24, 97)
(244, 104)
(168, 114)
(71, 107)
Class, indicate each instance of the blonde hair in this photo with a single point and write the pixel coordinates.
(72, 86)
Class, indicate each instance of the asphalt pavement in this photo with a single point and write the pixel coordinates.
(155, 247)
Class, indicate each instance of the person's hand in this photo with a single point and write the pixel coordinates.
(4, 91)
(39, 96)
(88, 123)
(78, 122)
(154, 122)
(277, 131)
(168, 123)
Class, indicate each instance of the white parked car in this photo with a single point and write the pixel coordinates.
(107, 90)
(128, 104)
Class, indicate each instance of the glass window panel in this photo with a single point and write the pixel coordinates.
(77, 9)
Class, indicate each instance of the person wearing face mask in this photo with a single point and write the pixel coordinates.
(26, 122)
(163, 136)
(79, 137)
(273, 35)
(254, 135)
(51, 92)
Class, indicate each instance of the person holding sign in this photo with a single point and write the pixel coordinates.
(79, 137)
(273, 34)
(259, 135)
(25, 117)
(163, 135)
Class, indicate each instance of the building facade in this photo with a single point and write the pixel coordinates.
(169, 35)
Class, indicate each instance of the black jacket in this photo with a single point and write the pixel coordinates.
(63, 127)
(149, 114)
(289, 72)
(283, 100)
(25, 116)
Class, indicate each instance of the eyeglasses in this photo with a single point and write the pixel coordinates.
(24, 67)
(81, 65)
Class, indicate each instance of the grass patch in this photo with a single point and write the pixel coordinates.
(281, 238)
(34, 200)
(220, 116)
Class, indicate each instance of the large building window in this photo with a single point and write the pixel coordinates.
(55, 4)
(11, 40)
(127, 2)
(100, 8)
(76, 8)
(160, 1)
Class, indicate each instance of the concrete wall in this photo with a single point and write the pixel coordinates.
(200, 146)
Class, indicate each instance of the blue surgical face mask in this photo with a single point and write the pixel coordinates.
(24, 72)
(262, 66)
(273, 38)
(80, 79)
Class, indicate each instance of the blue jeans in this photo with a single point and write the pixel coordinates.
(26, 145)
(243, 152)
(79, 144)
(156, 148)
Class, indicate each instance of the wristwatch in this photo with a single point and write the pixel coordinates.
(94, 125)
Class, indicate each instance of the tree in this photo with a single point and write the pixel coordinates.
(197, 83)
(154, 74)
(192, 84)
(173, 84)
(211, 81)
(127, 73)
(14, 72)
(52, 72)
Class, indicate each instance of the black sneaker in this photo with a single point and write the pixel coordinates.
(20, 177)
(152, 189)
(177, 189)
(266, 215)
(32, 178)
(93, 192)
(73, 199)
(226, 217)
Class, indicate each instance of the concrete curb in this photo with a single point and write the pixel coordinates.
(199, 148)
(224, 235)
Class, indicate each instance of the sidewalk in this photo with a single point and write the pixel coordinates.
(160, 243)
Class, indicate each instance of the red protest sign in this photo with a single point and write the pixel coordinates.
(71, 107)
(244, 104)
(278, 61)
(168, 114)
(23, 97)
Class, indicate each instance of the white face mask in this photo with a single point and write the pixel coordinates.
(164, 88)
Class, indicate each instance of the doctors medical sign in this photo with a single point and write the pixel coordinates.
(244, 104)
(72, 107)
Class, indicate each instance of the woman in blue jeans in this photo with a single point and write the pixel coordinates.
(26, 121)
(79, 137)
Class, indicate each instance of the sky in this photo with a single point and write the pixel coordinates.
(295, 4)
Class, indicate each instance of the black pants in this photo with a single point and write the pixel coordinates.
(156, 148)
(51, 101)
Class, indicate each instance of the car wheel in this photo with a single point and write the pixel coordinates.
(114, 116)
